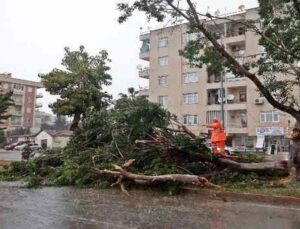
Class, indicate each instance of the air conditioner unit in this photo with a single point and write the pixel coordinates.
(259, 101)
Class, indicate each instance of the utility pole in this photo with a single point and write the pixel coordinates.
(222, 82)
(222, 101)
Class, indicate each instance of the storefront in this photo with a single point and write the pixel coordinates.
(272, 140)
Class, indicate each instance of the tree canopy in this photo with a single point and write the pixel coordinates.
(80, 84)
(5, 103)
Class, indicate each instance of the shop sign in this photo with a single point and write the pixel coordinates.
(269, 131)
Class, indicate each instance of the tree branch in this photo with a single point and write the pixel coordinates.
(243, 71)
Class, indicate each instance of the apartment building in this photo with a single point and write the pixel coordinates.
(25, 96)
(249, 120)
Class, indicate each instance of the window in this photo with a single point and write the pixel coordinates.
(187, 37)
(29, 89)
(243, 96)
(191, 77)
(28, 110)
(29, 99)
(190, 119)
(269, 116)
(18, 86)
(210, 115)
(163, 100)
(275, 116)
(163, 80)
(163, 61)
(163, 42)
(15, 121)
(190, 98)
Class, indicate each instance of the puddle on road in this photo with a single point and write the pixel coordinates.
(89, 208)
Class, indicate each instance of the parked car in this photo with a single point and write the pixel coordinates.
(21, 147)
(229, 151)
(34, 146)
(13, 145)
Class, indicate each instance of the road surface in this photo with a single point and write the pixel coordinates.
(10, 155)
(89, 209)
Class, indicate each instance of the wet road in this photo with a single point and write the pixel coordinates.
(89, 209)
(10, 155)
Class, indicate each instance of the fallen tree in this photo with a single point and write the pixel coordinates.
(152, 146)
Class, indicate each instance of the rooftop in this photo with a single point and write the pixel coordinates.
(59, 133)
(6, 77)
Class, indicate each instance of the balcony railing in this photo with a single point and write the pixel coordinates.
(38, 105)
(144, 72)
(144, 91)
(239, 124)
(17, 113)
(39, 95)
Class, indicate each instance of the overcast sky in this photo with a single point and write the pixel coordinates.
(33, 34)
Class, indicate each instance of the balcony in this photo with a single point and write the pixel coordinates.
(39, 95)
(237, 122)
(145, 50)
(15, 123)
(145, 56)
(144, 92)
(236, 106)
(236, 130)
(144, 72)
(18, 101)
(38, 105)
(17, 113)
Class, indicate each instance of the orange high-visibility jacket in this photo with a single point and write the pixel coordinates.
(217, 133)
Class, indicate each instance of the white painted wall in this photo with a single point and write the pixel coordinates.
(44, 135)
(60, 142)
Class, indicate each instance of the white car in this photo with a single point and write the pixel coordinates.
(21, 147)
(228, 150)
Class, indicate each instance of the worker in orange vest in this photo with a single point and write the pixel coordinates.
(218, 137)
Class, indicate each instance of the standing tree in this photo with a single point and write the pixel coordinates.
(275, 73)
(79, 85)
(5, 103)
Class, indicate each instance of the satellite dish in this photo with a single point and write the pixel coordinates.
(230, 97)
(221, 100)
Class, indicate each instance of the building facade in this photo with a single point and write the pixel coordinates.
(195, 97)
(53, 139)
(25, 97)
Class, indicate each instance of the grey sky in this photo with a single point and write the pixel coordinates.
(33, 34)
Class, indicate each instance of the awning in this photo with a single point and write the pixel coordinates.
(260, 142)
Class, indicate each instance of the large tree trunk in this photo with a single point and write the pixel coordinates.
(75, 121)
(294, 157)
(251, 167)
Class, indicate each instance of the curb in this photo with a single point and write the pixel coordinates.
(249, 197)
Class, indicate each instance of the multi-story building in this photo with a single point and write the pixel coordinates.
(194, 96)
(25, 97)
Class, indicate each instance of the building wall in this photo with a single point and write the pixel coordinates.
(60, 142)
(44, 136)
(29, 106)
(242, 118)
(24, 96)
